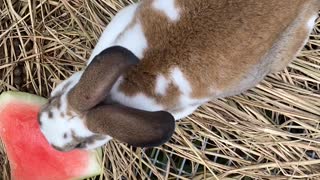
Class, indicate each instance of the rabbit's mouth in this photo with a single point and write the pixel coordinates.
(69, 147)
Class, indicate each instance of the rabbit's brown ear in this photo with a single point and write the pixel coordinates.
(136, 127)
(99, 77)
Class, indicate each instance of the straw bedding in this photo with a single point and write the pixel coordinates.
(269, 132)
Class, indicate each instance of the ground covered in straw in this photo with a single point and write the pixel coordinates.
(270, 131)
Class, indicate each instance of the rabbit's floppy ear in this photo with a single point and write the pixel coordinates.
(136, 127)
(99, 77)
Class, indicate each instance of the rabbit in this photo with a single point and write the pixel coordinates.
(157, 61)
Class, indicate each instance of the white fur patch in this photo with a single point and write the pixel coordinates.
(311, 23)
(161, 85)
(168, 7)
(180, 81)
(139, 101)
(134, 40)
(186, 104)
(117, 25)
(186, 111)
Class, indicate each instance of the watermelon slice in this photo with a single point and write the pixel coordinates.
(29, 154)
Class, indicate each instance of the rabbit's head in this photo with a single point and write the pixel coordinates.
(78, 117)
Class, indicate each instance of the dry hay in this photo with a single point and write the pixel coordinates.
(271, 131)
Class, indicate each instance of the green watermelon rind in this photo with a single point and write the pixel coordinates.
(95, 160)
(95, 167)
(9, 96)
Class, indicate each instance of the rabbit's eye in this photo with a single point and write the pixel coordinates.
(80, 145)
(71, 117)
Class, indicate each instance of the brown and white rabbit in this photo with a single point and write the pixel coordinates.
(158, 60)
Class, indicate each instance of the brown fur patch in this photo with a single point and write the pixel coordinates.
(58, 103)
(65, 135)
(39, 122)
(216, 43)
(69, 112)
(55, 101)
(50, 114)
(93, 139)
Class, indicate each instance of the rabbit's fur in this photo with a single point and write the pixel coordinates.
(174, 56)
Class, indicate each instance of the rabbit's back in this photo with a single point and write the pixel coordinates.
(198, 50)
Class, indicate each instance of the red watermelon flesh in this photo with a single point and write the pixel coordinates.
(29, 154)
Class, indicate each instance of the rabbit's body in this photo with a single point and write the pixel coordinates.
(161, 56)
(195, 51)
